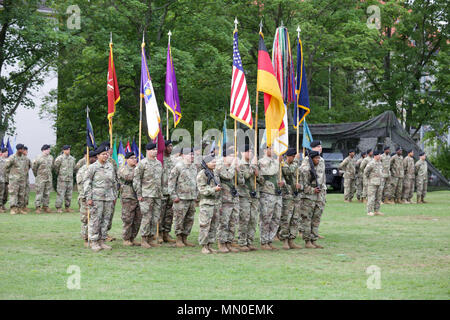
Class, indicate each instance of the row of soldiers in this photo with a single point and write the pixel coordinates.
(396, 177)
(14, 179)
(233, 192)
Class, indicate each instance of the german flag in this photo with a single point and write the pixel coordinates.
(273, 100)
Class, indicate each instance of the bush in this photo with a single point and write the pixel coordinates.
(442, 161)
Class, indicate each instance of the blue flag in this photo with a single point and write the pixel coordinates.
(10, 150)
(301, 88)
(307, 136)
(224, 132)
(120, 154)
(135, 150)
(3, 144)
(90, 140)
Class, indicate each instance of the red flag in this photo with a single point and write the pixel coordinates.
(128, 147)
(112, 88)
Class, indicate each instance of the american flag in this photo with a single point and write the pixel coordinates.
(239, 104)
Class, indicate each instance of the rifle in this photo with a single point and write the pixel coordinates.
(313, 172)
(209, 174)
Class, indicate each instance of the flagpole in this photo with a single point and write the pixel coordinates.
(296, 119)
(140, 105)
(256, 112)
(87, 165)
(167, 109)
(110, 119)
(235, 125)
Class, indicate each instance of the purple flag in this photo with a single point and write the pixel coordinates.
(171, 100)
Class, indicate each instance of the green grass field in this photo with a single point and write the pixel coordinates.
(410, 245)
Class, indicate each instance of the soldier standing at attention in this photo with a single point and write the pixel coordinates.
(64, 166)
(290, 215)
(363, 165)
(81, 162)
(165, 221)
(15, 173)
(81, 174)
(229, 212)
(271, 201)
(314, 194)
(183, 190)
(42, 170)
(348, 166)
(248, 200)
(421, 169)
(100, 189)
(210, 202)
(131, 212)
(359, 177)
(3, 180)
(397, 173)
(147, 184)
(374, 174)
(27, 180)
(386, 181)
(409, 178)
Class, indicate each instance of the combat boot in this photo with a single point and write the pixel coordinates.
(13, 211)
(23, 210)
(378, 213)
(86, 243)
(2, 209)
(95, 246)
(179, 242)
(423, 200)
(346, 201)
(276, 238)
(230, 248)
(315, 244)
(186, 243)
(135, 243)
(144, 243)
(223, 248)
(272, 246)
(47, 210)
(211, 248)
(127, 243)
(59, 210)
(244, 249)
(38, 210)
(320, 237)
(205, 249)
(104, 246)
(167, 238)
(109, 238)
(266, 247)
(370, 214)
(252, 248)
(309, 245)
(234, 244)
(153, 242)
(292, 244)
(286, 244)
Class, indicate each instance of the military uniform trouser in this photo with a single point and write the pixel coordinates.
(27, 194)
(310, 218)
(2, 193)
(131, 218)
(384, 187)
(421, 187)
(43, 189)
(364, 193)
(166, 217)
(83, 218)
(349, 188)
(248, 219)
(5, 194)
(16, 190)
(229, 213)
(408, 188)
(270, 214)
(374, 199)
(184, 212)
(289, 220)
(112, 217)
(99, 215)
(359, 187)
(150, 209)
(63, 193)
(208, 219)
(397, 187)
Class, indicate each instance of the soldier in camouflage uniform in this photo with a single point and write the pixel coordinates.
(385, 181)
(290, 214)
(209, 206)
(15, 169)
(81, 174)
(131, 212)
(362, 166)
(42, 170)
(165, 221)
(397, 174)
(147, 184)
(271, 200)
(359, 177)
(80, 162)
(183, 191)
(348, 166)
(229, 212)
(3, 184)
(374, 174)
(421, 169)
(63, 166)
(314, 194)
(248, 199)
(100, 190)
(27, 180)
(409, 178)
